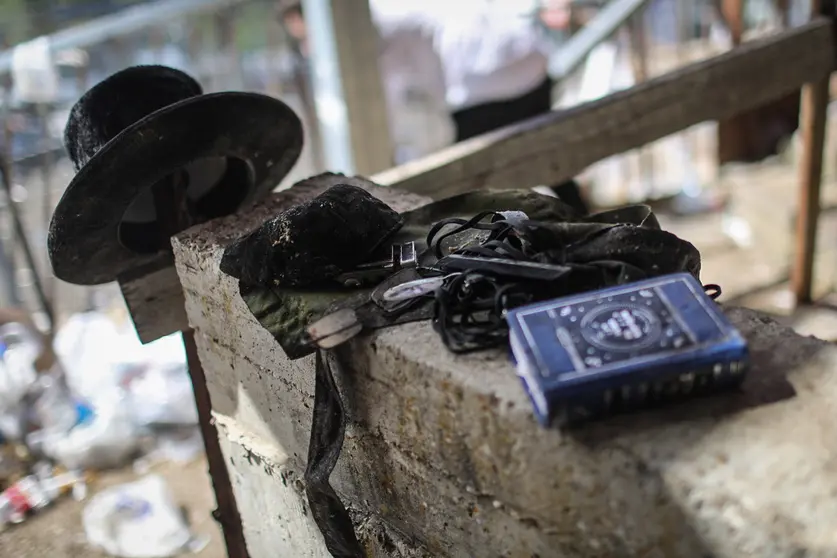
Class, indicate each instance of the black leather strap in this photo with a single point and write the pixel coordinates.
(328, 429)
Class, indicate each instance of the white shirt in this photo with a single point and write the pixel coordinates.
(491, 51)
(447, 55)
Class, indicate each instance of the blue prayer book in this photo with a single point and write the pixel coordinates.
(594, 354)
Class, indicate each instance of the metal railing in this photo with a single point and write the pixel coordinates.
(125, 22)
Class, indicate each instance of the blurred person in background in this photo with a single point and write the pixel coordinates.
(290, 15)
(495, 63)
(479, 64)
(412, 78)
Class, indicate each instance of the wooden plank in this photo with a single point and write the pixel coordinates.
(557, 146)
(155, 301)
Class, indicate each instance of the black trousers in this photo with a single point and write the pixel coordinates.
(487, 117)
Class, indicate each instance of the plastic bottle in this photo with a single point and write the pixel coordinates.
(22, 498)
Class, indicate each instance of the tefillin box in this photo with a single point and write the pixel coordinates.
(623, 348)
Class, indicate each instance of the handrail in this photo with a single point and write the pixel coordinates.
(123, 22)
(615, 14)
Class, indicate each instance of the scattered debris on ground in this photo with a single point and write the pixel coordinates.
(89, 426)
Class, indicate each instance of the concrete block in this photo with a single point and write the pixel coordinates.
(444, 456)
(270, 494)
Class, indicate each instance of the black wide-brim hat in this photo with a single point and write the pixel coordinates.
(138, 127)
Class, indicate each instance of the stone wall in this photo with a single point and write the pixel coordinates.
(443, 457)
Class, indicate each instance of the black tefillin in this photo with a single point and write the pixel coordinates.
(325, 270)
(515, 265)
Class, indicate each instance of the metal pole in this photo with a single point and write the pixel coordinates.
(7, 278)
(124, 22)
(46, 305)
(7, 260)
(46, 167)
(331, 110)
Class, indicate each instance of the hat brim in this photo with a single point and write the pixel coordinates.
(83, 241)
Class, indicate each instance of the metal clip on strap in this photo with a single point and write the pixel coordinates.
(402, 256)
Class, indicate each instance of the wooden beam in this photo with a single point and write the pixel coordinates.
(814, 109)
(358, 47)
(813, 121)
(348, 92)
(154, 299)
(557, 146)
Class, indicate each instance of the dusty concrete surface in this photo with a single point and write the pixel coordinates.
(444, 451)
(58, 531)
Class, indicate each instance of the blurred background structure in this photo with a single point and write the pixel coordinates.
(600, 48)
(728, 187)
(226, 45)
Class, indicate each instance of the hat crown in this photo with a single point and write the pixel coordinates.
(119, 101)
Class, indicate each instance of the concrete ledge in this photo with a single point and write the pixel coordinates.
(444, 456)
(271, 498)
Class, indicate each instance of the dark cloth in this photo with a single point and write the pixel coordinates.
(328, 430)
(310, 244)
(623, 235)
(487, 117)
